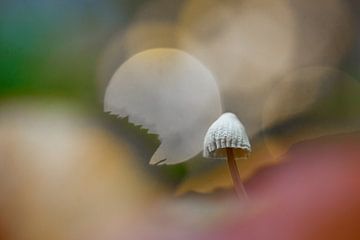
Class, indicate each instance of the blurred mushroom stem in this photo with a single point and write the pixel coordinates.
(238, 185)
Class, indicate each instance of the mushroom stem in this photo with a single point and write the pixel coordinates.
(238, 186)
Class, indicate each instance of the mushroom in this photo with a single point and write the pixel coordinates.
(227, 138)
(170, 93)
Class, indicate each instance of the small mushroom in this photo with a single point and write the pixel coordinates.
(227, 138)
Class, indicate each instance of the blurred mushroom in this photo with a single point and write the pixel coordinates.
(170, 93)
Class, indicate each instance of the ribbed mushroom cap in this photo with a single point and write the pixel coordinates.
(226, 132)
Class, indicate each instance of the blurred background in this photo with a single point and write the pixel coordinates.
(289, 69)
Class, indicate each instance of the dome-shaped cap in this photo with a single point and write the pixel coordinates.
(226, 132)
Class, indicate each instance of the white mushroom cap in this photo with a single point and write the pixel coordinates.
(226, 132)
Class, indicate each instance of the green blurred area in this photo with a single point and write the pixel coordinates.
(51, 48)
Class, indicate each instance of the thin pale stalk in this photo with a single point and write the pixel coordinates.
(238, 186)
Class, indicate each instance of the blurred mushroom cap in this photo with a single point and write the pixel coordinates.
(170, 93)
(226, 132)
